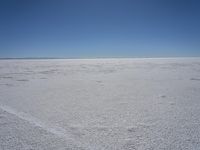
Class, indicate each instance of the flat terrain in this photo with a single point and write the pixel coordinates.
(96, 104)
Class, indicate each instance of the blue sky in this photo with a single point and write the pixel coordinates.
(99, 28)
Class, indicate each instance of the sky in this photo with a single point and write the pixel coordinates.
(99, 28)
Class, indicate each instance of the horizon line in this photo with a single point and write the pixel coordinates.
(160, 57)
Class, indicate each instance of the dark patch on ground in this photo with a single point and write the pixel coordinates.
(7, 84)
(23, 80)
(6, 77)
(195, 79)
(163, 96)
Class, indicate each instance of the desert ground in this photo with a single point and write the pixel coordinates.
(100, 104)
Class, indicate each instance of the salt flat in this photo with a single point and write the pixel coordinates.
(95, 104)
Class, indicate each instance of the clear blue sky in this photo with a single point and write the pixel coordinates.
(99, 28)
